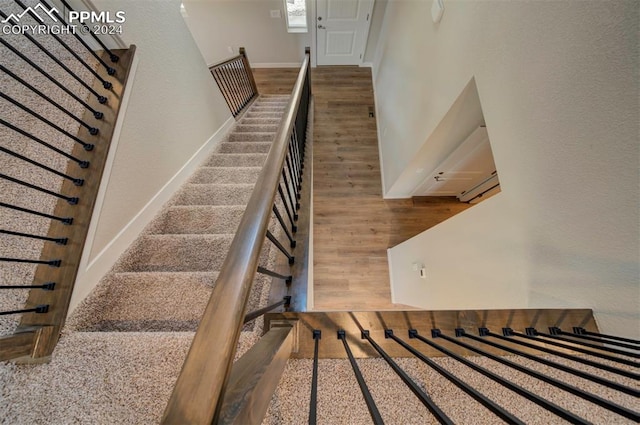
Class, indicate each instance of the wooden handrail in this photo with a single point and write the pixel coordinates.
(198, 393)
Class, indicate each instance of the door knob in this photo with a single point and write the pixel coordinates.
(322, 27)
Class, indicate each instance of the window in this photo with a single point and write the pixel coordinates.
(296, 14)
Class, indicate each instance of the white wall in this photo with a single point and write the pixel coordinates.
(174, 112)
(558, 84)
(218, 24)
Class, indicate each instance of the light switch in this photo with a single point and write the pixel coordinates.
(276, 14)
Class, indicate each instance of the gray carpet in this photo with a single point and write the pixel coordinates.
(123, 347)
(19, 247)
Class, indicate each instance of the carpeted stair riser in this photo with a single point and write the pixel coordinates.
(177, 253)
(225, 175)
(276, 115)
(248, 147)
(261, 121)
(202, 219)
(237, 160)
(248, 128)
(215, 194)
(251, 137)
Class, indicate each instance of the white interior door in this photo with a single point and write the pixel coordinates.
(342, 27)
(469, 168)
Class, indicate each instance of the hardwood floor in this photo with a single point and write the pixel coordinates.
(353, 225)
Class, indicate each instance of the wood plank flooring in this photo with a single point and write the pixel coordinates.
(353, 224)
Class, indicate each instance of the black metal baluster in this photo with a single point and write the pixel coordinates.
(52, 263)
(292, 218)
(77, 182)
(286, 301)
(105, 83)
(81, 163)
(371, 404)
(100, 98)
(556, 333)
(59, 241)
(545, 404)
(63, 220)
(287, 279)
(584, 375)
(49, 286)
(296, 188)
(295, 206)
(440, 416)
(282, 249)
(112, 57)
(86, 146)
(43, 308)
(237, 78)
(247, 82)
(92, 130)
(225, 93)
(294, 162)
(591, 338)
(296, 146)
(508, 332)
(532, 334)
(98, 115)
(70, 200)
(479, 397)
(284, 227)
(620, 410)
(227, 90)
(313, 403)
(582, 331)
(110, 70)
(228, 77)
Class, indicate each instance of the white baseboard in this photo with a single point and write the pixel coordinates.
(391, 285)
(366, 65)
(92, 270)
(276, 65)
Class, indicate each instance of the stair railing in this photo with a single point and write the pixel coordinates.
(33, 140)
(210, 387)
(236, 82)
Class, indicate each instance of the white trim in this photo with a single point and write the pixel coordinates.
(312, 13)
(366, 65)
(378, 130)
(276, 65)
(391, 286)
(90, 274)
(310, 293)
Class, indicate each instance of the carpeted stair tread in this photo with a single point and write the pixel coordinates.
(214, 194)
(248, 147)
(151, 302)
(237, 160)
(202, 219)
(256, 128)
(260, 121)
(176, 253)
(251, 137)
(96, 378)
(226, 175)
(270, 114)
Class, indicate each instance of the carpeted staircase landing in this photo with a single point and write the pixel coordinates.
(123, 347)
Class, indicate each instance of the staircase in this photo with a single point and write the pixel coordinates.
(125, 344)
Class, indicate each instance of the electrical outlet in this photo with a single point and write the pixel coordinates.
(230, 49)
(275, 13)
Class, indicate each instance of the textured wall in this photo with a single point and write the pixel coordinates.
(218, 24)
(558, 84)
(174, 108)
